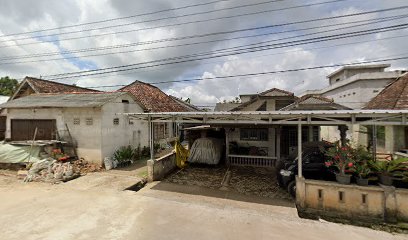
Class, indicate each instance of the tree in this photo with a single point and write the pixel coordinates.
(8, 86)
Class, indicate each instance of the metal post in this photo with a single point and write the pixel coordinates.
(151, 140)
(278, 142)
(310, 133)
(300, 149)
(374, 142)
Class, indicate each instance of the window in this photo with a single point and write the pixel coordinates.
(376, 91)
(77, 121)
(125, 101)
(89, 121)
(160, 131)
(116, 121)
(338, 79)
(254, 134)
(130, 122)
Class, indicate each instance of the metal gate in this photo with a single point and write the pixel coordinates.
(23, 129)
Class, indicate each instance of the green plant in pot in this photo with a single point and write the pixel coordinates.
(362, 170)
(342, 158)
(386, 169)
(361, 167)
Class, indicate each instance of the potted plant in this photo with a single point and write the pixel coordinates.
(342, 158)
(361, 167)
(362, 170)
(386, 169)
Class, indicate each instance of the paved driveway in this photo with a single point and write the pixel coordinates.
(42, 211)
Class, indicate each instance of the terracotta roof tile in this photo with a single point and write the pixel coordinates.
(152, 98)
(45, 86)
(393, 96)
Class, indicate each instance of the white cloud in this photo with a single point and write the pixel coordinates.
(19, 16)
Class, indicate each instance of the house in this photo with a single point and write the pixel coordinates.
(152, 99)
(31, 85)
(393, 97)
(268, 143)
(93, 118)
(355, 86)
(89, 117)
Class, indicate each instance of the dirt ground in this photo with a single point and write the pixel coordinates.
(96, 207)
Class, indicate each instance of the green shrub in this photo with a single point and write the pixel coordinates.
(124, 153)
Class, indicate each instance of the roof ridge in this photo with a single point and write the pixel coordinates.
(28, 78)
(138, 82)
(275, 89)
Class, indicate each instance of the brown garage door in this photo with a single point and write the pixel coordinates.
(23, 129)
(2, 127)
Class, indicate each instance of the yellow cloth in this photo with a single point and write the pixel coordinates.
(181, 154)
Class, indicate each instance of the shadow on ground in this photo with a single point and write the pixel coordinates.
(248, 184)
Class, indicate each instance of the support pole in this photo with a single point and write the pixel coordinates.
(374, 142)
(310, 133)
(300, 149)
(151, 140)
(278, 143)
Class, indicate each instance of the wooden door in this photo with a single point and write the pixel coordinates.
(23, 129)
(2, 127)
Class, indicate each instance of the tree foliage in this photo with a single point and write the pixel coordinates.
(8, 86)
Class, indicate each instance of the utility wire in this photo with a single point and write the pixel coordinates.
(151, 20)
(258, 56)
(274, 72)
(381, 20)
(244, 49)
(222, 32)
(171, 25)
(114, 19)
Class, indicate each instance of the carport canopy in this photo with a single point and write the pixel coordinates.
(299, 118)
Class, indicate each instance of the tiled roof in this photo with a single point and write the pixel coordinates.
(273, 92)
(393, 96)
(185, 104)
(45, 86)
(314, 102)
(152, 98)
(63, 100)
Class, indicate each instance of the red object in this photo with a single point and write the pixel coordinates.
(350, 164)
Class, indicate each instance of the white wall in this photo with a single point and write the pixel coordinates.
(102, 138)
(87, 137)
(115, 136)
(355, 93)
(234, 136)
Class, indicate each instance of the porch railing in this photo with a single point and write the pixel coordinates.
(256, 161)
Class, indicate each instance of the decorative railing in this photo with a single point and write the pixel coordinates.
(246, 160)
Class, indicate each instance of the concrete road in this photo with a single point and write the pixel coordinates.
(67, 211)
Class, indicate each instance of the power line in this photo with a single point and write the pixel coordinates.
(276, 71)
(114, 19)
(172, 25)
(381, 20)
(151, 20)
(263, 55)
(246, 49)
(219, 33)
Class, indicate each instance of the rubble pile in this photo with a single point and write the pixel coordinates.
(54, 171)
(84, 167)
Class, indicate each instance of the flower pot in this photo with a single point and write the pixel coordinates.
(343, 178)
(362, 181)
(385, 179)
